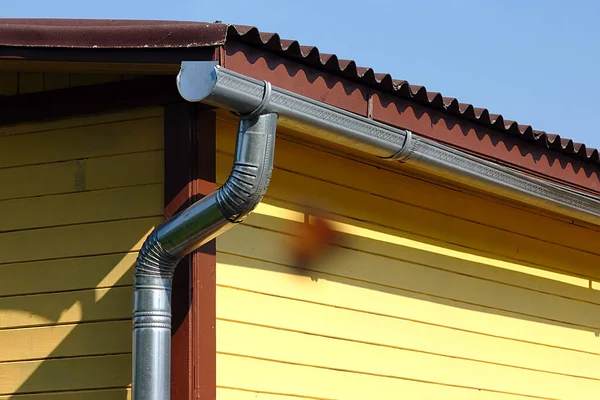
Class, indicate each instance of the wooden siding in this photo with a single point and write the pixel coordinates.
(432, 293)
(13, 82)
(77, 198)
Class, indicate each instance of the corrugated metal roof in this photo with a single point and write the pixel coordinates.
(311, 55)
(116, 34)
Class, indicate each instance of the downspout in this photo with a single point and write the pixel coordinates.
(182, 234)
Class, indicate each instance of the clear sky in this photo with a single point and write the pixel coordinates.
(533, 61)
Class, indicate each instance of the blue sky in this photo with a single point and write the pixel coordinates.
(532, 61)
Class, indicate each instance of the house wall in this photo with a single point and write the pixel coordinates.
(77, 198)
(431, 293)
(15, 82)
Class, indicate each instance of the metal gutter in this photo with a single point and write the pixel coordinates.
(211, 84)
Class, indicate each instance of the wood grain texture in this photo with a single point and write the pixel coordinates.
(98, 394)
(421, 278)
(312, 382)
(423, 225)
(83, 339)
(397, 331)
(81, 120)
(82, 175)
(66, 307)
(65, 374)
(329, 290)
(9, 83)
(92, 79)
(66, 274)
(78, 198)
(364, 358)
(429, 291)
(237, 394)
(101, 238)
(30, 82)
(93, 140)
(435, 196)
(56, 80)
(282, 217)
(82, 207)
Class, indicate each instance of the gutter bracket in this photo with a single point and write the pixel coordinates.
(406, 151)
(262, 107)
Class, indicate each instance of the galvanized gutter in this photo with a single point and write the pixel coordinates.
(217, 86)
(259, 106)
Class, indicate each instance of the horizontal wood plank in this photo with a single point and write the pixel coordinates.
(71, 122)
(391, 273)
(320, 288)
(79, 198)
(67, 274)
(423, 225)
(9, 83)
(76, 240)
(56, 80)
(65, 374)
(283, 217)
(274, 344)
(275, 377)
(316, 319)
(66, 307)
(98, 394)
(83, 142)
(92, 79)
(30, 82)
(66, 341)
(82, 207)
(396, 185)
(82, 175)
(237, 394)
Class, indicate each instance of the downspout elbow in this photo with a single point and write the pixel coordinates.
(182, 234)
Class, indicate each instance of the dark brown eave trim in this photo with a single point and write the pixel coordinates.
(109, 33)
(484, 142)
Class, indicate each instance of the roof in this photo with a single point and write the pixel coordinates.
(115, 34)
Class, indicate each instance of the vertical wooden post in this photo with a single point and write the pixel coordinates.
(190, 173)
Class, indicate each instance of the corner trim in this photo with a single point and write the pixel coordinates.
(190, 174)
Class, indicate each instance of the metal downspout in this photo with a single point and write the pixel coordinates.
(185, 232)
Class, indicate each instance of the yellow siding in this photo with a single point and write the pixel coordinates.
(13, 83)
(77, 198)
(433, 292)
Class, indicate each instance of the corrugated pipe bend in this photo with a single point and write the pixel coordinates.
(182, 234)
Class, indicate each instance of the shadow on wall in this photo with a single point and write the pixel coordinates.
(385, 260)
(78, 337)
(68, 322)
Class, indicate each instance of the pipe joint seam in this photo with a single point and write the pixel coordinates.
(407, 149)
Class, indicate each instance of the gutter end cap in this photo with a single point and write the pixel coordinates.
(197, 79)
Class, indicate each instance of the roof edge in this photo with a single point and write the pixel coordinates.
(109, 34)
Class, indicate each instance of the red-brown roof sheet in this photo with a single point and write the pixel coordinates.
(115, 34)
